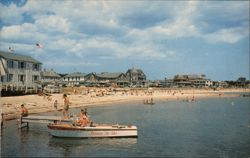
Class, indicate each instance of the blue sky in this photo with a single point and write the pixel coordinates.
(163, 38)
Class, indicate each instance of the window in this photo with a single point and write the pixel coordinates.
(10, 64)
(35, 78)
(36, 67)
(21, 65)
(9, 77)
(21, 78)
(2, 78)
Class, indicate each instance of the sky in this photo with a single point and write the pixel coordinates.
(163, 38)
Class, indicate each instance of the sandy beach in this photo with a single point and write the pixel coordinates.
(99, 96)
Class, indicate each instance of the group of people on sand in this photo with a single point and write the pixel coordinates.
(24, 111)
(147, 101)
(83, 119)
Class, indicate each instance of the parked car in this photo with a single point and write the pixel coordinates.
(51, 89)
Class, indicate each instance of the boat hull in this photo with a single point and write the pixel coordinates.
(97, 131)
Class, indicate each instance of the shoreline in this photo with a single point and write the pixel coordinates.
(103, 96)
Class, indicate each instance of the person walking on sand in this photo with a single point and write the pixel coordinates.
(24, 111)
(55, 104)
(66, 107)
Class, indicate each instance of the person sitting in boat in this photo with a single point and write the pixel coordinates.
(83, 119)
(24, 111)
(82, 113)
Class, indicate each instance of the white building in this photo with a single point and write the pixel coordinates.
(50, 77)
(19, 72)
(74, 79)
(203, 83)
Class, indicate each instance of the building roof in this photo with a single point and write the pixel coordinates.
(193, 76)
(134, 71)
(189, 77)
(50, 73)
(18, 57)
(180, 77)
(109, 75)
(76, 74)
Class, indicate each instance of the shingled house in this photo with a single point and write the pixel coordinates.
(133, 77)
(192, 80)
(74, 79)
(107, 79)
(136, 77)
(50, 77)
(117, 78)
(19, 73)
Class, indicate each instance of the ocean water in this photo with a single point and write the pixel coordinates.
(214, 127)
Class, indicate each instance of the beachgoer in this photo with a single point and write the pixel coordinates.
(81, 113)
(49, 98)
(1, 116)
(83, 119)
(86, 117)
(152, 101)
(193, 98)
(44, 96)
(55, 104)
(86, 111)
(66, 106)
(24, 111)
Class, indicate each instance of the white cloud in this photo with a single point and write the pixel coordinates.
(26, 33)
(231, 35)
(11, 31)
(62, 44)
(16, 46)
(52, 24)
(94, 28)
(10, 14)
(183, 24)
(68, 62)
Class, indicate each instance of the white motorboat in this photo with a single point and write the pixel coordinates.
(96, 130)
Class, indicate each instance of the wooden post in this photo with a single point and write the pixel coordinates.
(20, 122)
(1, 118)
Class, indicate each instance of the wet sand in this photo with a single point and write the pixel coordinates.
(99, 96)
